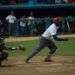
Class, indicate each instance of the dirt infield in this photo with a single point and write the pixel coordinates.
(62, 65)
(12, 39)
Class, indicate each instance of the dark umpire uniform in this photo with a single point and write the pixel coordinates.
(46, 40)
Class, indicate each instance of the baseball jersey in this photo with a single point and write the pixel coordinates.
(31, 20)
(11, 18)
(50, 31)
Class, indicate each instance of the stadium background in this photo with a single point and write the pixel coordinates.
(41, 8)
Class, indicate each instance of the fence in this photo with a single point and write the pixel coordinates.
(38, 26)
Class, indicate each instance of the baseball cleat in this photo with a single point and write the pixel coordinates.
(27, 61)
(48, 60)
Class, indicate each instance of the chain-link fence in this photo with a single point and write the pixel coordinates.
(36, 26)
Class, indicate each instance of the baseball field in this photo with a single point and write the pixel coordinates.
(64, 58)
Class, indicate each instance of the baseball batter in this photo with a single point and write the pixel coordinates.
(47, 40)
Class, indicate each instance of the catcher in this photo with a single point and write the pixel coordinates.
(3, 54)
(47, 40)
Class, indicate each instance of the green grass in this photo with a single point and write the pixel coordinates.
(64, 48)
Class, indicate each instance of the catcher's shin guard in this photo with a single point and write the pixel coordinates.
(3, 56)
(0, 63)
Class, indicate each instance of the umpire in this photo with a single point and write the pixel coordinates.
(46, 40)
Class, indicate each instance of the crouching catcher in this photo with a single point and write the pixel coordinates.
(3, 53)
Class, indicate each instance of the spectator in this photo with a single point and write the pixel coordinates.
(23, 26)
(31, 23)
(40, 25)
(65, 1)
(11, 19)
(4, 2)
(32, 1)
(1, 28)
(25, 1)
(12, 1)
(71, 1)
(58, 1)
(47, 21)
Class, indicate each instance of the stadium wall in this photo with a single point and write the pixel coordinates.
(43, 9)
